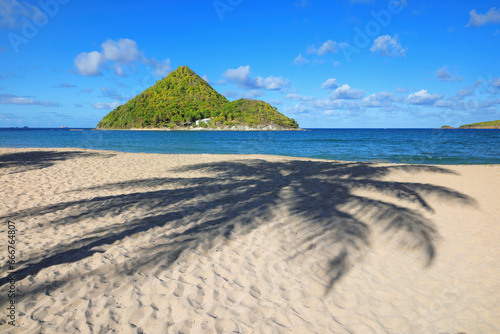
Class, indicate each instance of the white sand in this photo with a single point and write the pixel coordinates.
(147, 243)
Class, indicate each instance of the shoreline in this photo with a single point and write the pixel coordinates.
(203, 129)
(255, 154)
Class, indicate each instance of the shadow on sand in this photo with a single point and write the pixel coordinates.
(234, 198)
(19, 162)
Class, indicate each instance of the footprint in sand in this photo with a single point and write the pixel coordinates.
(179, 290)
(254, 291)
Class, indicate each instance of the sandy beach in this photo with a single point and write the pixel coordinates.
(109, 242)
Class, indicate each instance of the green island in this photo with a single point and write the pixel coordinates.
(184, 101)
(481, 125)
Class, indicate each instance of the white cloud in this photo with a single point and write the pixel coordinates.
(310, 104)
(495, 82)
(297, 109)
(112, 94)
(119, 53)
(13, 99)
(423, 98)
(274, 102)
(300, 60)
(66, 85)
(479, 97)
(88, 63)
(345, 99)
(243, 95)
(402, 90)
(297, 97)
(467, 91)
(119, 70)
(160, 67)
(477, 20)
(382, 99)
(489, 103)
(123, 51)
(271, 82)
(330, 84)
(241, 78)
(469, 105)
(205, 77)
(9, 118)
(388, 46)
(444, 103)
(347, 93)
(327, 47)
(13, 11)
(100, 105)
(331, 113)
(444, 75)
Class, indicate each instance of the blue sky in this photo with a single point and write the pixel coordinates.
(328, 64)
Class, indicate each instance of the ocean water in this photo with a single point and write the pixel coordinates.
(420, 146)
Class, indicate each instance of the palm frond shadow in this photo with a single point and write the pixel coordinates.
(232, 199)
(24, 161)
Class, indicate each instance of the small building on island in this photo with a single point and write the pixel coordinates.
(205, 120)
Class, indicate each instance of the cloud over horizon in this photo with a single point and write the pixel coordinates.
(422, 97)
(20, 100)
(382, 99)
(100, 105)
(345, 92)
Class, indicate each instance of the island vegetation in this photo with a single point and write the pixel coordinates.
(183, 100)
(481, 125)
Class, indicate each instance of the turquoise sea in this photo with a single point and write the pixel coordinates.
(421, 146)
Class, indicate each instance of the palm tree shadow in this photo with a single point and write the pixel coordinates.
(231, 199)
(25, 161)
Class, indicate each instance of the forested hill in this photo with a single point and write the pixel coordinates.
(481, 125)
(182, 98)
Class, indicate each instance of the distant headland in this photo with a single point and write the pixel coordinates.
(184, 101)
(482, 125)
